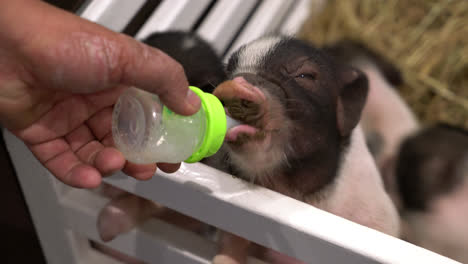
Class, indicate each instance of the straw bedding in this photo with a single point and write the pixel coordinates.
(426, 39)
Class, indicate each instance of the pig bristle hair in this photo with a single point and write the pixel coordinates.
(267, 174)
(253, 54)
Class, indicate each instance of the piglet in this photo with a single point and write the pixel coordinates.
(432, 179)
(300, 111)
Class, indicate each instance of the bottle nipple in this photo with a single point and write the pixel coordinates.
(230, 122)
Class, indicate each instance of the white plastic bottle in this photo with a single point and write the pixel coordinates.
(146, 131)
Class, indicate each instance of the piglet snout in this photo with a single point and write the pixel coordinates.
(239, 88)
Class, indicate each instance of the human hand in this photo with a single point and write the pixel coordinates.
(59, 78)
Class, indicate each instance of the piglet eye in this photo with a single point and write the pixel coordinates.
(310, 76)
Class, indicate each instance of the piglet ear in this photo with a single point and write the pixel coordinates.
(351, 100)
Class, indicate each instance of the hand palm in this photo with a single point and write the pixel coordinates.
(72, 137)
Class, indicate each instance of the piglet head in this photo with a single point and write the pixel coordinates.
(298, 109)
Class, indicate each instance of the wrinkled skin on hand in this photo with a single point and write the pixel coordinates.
(59, 78)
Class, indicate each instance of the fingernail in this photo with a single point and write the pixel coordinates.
(193, 99)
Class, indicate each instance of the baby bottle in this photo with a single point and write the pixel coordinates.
(146, 131)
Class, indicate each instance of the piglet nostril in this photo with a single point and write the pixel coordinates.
(244, 110)
(246, 103)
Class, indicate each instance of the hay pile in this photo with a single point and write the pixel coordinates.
(426, 39)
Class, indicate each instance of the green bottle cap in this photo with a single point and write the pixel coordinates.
(215, 126)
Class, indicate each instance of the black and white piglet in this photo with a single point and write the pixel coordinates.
(300, 135)
(432, 178)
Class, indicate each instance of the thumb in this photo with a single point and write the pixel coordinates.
(152, 70)
(65, 52)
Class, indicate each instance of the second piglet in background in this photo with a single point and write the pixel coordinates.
(432, 181)
(425, 169)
